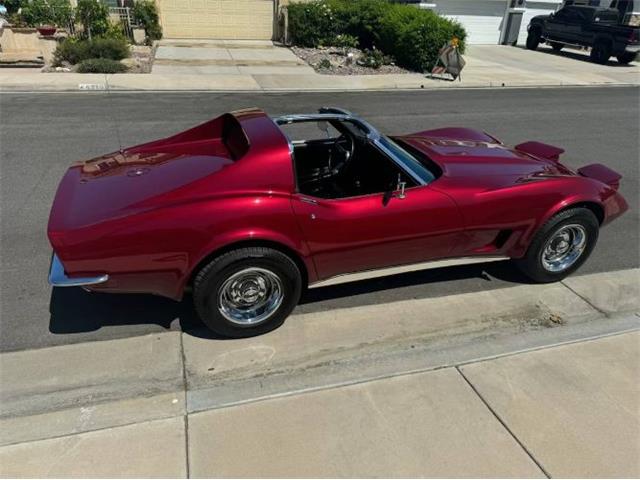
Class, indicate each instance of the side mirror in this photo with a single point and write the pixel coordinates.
(398, 192)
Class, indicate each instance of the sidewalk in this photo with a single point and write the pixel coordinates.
(512, 382)
(233, 67)
(567, 411)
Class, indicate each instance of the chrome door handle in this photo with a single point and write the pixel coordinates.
(308, 200)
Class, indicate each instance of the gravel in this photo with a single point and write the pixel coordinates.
(341, 61)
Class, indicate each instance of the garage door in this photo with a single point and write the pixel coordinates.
(534, 9)
(482, 19)
(217, 19)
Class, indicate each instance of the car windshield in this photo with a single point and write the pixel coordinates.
(409, 162)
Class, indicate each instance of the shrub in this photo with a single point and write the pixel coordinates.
(94, 17)
(373, 59)
(47, 12)
(311, 24)
(324, 64)
(101, 65)
(411, 35)
(12, 6)
(71, 50)
(345, 41)
(414, 37)
(145, 13)
(105, 47)
(75, 51)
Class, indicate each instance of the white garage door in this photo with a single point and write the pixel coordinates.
(534, 9)
(482, 19)
(217, 19)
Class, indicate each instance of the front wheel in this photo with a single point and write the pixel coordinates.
(533, 39)
(561, 246)
(247, 292)
(627, 57)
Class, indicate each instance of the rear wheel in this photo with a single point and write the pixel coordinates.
(627, 57)
(556, 46)
(560, 246)
(247, 292)
(601, 52)
(533, 39)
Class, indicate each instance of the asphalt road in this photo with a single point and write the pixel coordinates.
(41, 134)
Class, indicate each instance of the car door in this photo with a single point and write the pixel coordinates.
(564, 26)
(375, 231)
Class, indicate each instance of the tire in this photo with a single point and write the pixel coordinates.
(556, 46)
(626, 57)
(248, 273)
(574, 219)
(533, 39)
(601, 52)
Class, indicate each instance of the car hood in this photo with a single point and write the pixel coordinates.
(486, 157)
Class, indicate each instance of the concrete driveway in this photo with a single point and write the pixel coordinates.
(226, 57)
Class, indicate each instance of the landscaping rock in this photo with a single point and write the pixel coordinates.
(342, 61)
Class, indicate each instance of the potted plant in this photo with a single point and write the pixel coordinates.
(46, 30)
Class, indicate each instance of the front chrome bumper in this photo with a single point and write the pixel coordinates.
(632, 48)
(58, 278)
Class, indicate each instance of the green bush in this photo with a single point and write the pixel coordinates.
(12, 6)
(373, 59)
(101, 65)
(311, 24)
(94, 17)
(145, 13)
(75, 51)
(411, 35)
(345, 41)
(414, 37)
(46, 12)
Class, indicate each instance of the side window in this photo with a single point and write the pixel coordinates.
(309, 131)
(561, 15)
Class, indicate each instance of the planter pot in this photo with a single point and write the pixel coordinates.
(47, 31)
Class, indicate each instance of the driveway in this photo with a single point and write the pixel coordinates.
(226, 57)
(498, 64)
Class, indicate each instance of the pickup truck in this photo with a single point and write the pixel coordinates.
(586, 26)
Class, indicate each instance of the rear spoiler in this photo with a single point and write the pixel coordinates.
(542, 150)
(601, 173)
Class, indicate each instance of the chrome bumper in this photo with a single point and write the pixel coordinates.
(632, 48)
(58, 278)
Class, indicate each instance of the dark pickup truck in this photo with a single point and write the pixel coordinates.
(585, 26)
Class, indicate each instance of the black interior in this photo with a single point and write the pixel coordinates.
(343, 167)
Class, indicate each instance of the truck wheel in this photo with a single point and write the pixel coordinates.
(627, 57)
(247, 292)
(601, 52)
(560, 246)
(556, 46)
(533, 39)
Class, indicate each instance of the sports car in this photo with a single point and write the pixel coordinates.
(245, 211)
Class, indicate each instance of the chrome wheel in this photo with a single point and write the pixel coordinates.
(564, 248)
(250, 296)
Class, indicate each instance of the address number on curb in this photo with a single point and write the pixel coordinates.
(92, 86)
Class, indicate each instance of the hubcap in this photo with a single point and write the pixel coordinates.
(564, 247)
(250, 296)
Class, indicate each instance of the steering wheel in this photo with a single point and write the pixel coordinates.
(345, 146)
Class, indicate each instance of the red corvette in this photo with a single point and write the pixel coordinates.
(247, 216)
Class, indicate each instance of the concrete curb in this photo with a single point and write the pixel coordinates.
(58, 391)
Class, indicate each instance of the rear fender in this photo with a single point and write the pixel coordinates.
(227, 241)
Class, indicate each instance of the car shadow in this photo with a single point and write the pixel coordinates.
(74, 310)
(580, 55)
